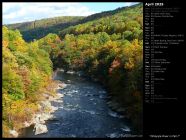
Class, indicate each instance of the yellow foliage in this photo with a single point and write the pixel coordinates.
(5, 43)
(5, 130)
(21, 45)
(133, 54)
(129, 65)
(9, 58)
(22, 108)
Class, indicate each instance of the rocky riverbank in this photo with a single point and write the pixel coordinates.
(45, 112)
(86, 111)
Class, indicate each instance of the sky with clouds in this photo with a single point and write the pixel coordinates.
(20, 12)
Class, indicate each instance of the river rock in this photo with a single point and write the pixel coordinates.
(62, 70)
(115, 114)
(40, 128)
(126, 129)
(45, 104)
(53, 109)
(41, 118)
(42, 121)
(36, 118)
(46, 95)
(59, 95)
(44, 117)
(58, 101)
(112, 135)
(13, 133)
(26, 124)
(62, 86)
(70, 72)
(51, 98)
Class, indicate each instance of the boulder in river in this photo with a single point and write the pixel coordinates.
(44, 117)
(59, 95)
(53, 109)
(48, 116)
(45, 104)
(61, 70)
(41, 118)
(13, 133)
(58, 101)
(70, 72)
(51, 98)
(62, 86)
(27, 124)
(112, 135)
(115, 114)
(126, 129)
(40, 128)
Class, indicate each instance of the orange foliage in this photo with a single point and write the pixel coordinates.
(25, 77)
(115, 64)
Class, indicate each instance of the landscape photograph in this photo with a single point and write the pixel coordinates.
(72, 69)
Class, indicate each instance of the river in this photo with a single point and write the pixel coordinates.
(84, 112)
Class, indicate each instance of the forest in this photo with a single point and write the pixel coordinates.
(40, 28)
(107, 46)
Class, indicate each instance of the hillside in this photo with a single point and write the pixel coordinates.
(115, 21)
(40, 28)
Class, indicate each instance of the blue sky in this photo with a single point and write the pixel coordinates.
(20, 12)
(105, 6)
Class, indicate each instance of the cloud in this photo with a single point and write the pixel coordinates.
(20, 12)
(16, 12)
(130, 3)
